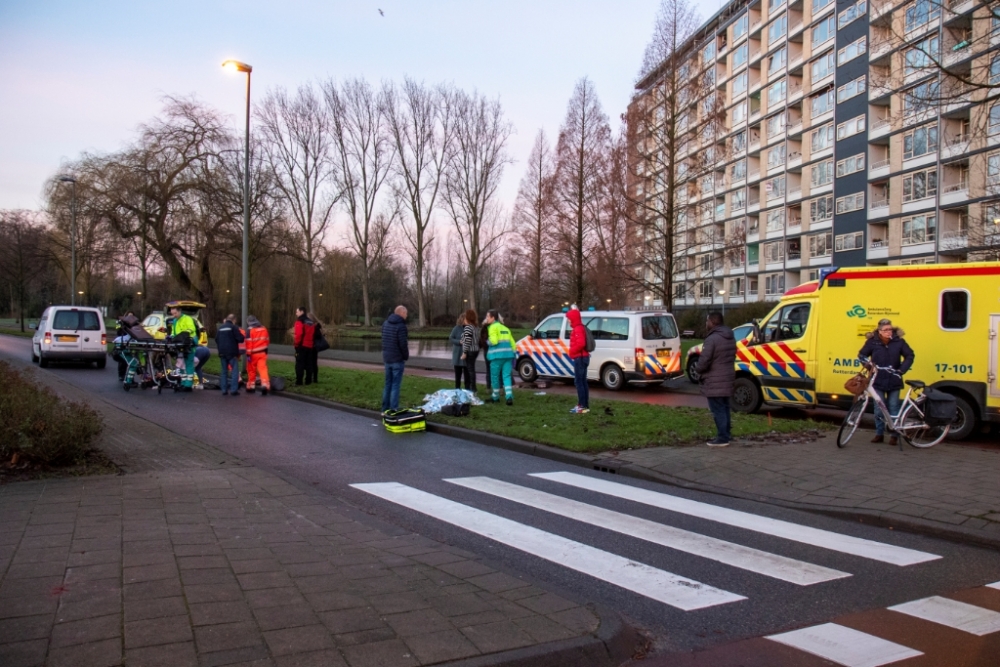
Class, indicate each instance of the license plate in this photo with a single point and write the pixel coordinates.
(66, 339)
(663, 354)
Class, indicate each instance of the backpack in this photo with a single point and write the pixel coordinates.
(591, 344)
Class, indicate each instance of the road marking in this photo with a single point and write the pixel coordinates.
(746, 558)
(845, 646)
(995, 585)
(953, 614)
(666, 587)
(826, 539)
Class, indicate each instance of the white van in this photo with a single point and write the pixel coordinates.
(637, 347)
(70, 333)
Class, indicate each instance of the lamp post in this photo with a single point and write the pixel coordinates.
(237, 66)
(72, 242)
(722, 295)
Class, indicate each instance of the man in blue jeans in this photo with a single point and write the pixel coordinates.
(395, 352)
(717, 374)
(227, 339)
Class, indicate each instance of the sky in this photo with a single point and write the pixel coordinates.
(81, 76)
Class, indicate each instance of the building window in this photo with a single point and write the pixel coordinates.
(923, 97)
(776, 156)
(740, 83)
(851, 89)
(774, 4)
(776, 220)
(775, 188)
(823, 66)
(852, 13)
(777, 29)
(824, 30)
(821, 245)
(740, 55)
(738, 200)
(776, 60)
(921, 12)
(708, 53)
(995, 71)
(820, 4)
(920, 185)
(919, 229)
(776, 124)
(994, 126)
(852, 241)
(774, 284)
(705, 289)
(852, 51)
(822, 103)
(822, 138)
(851, 127)
(776, 93)
(740, 141)
(851, 165)
(738, 171)
(993, 169)
(920, 141)
(922, 56)
(954, 315)
(821, 209)
(740, 26)
(854, 202)
(774, 252)
(736, 285)
(821, 174)
(740, 112)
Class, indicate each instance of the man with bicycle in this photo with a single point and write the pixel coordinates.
(886, 348)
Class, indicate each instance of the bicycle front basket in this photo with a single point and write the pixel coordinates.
(939, 408)
(857, 384)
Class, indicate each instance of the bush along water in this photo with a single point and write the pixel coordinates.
(39, 427)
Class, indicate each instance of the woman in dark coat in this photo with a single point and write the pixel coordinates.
(455, 338)
(885, 347)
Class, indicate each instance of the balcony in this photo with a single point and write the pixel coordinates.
(955, 193)
(878, 91)
(956, 145)
(955, 8)
(878, 169)
(879, 208)
(880, 128)
(952, 240)
(878, 250)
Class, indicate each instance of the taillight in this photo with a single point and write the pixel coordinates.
(640, 359)
(48, 338)
(104, 339)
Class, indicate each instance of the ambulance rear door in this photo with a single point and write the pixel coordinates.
(994, 371)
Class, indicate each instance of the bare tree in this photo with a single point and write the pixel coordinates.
(581, 160)
(21, 246)
(363, 154)
(472, 178)
(298, 145)
(534, 211)
(421, 123)
(611, 231)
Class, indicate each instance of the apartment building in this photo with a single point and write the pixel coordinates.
(816, 133)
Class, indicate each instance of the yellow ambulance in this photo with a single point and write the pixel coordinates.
(807, 347)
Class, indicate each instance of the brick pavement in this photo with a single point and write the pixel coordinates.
(194, 558)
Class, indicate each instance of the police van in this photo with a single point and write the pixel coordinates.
(807, 347)
(631, 347)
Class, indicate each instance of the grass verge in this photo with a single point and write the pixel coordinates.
(17, 332)
(611, 424)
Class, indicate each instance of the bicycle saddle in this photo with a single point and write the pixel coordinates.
(916, 384)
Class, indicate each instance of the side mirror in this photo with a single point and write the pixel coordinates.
(755, 336)
(534, 333)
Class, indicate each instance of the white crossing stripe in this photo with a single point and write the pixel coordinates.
(995, 585)
(845, 646)
(953, 614)
(826, 539)
(746, 558)
(666, 587)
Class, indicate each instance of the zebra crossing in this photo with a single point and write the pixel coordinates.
(841, 644)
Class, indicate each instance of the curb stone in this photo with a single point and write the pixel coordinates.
(601, 464)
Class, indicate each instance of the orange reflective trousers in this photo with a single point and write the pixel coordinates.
(257, 365)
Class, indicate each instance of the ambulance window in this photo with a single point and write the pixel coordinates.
(954, 310)
(549, 329)
(608, 328)
(788, 323)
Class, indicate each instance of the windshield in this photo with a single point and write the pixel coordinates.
(658, 327)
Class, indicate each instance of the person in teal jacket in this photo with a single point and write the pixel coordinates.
(501, 354)
(184, 325)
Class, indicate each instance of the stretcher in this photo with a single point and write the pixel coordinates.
(150, 362)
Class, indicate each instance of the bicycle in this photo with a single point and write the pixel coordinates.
(909, 424)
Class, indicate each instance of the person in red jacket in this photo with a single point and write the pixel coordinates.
(304, 348)
(581, 361)
(257, 342)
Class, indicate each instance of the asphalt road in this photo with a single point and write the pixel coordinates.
(685, 601)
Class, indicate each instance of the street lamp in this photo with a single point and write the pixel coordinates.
(72, 243)
(237, 66)
(722, 294)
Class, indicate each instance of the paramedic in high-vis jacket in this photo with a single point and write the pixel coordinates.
(184, 326)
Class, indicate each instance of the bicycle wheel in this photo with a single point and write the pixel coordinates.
(851, 421)
(915, 432)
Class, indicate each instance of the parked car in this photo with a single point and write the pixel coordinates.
(70, 333)
(635, 347)
(156, 322)
(740, 332)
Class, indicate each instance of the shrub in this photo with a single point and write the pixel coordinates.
(41, 427)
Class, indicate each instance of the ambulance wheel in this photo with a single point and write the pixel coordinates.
(612, 377)
(692, 373)
(965, 420)
(746, 396)
(526, 369)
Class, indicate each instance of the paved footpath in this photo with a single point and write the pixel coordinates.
(193, 558)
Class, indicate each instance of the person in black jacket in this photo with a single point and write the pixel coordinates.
(717, 373)
(885, 347)
(395, 352)
(227, 339)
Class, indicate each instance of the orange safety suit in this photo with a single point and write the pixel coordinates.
(257, 341)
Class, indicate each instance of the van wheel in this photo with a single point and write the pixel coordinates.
(612, 377)
(43, 362)
(34, 357)
(526, 369)
(102, 363)
(965, 420)
(746, 396)
(691, 372)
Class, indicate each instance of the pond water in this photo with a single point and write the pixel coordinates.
(437, 349)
